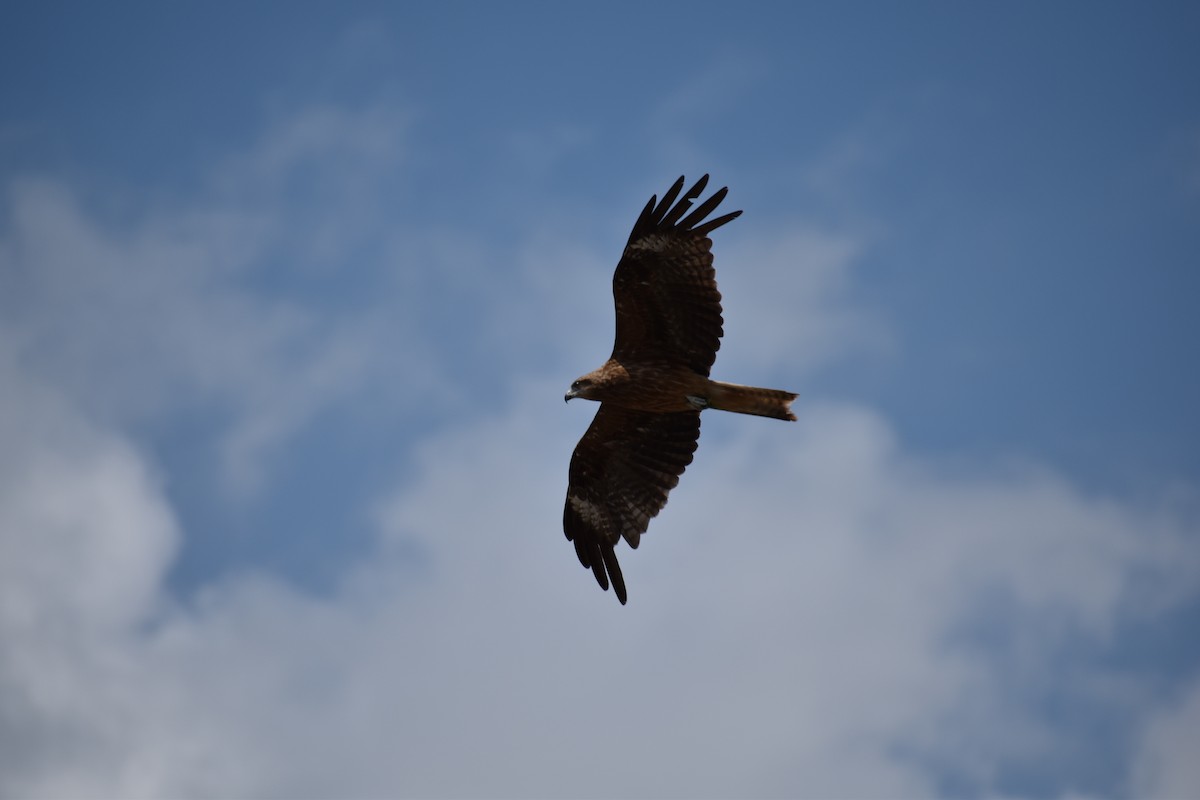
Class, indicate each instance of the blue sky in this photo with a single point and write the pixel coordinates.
(289, 295)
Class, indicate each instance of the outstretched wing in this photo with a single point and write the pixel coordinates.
(665, 288)
(621, 472)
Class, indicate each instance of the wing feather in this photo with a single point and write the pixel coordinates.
(671, 217)
(621, 472)
(665, 288)
(661, 209)
(705, 208)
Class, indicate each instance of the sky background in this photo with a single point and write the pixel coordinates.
(289, 298)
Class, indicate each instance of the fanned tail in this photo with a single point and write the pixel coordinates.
(773, 403)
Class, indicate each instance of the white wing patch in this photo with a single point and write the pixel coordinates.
(591, 513)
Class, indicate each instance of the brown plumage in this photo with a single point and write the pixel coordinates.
(654, 386)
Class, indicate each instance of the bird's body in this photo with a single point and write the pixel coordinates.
(650, 386)
(654, 386)
(625, 384)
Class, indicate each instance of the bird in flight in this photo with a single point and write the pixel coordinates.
(654, 386)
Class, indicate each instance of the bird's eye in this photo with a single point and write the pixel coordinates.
(575, 385)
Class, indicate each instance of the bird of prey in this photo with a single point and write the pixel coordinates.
(654, 386)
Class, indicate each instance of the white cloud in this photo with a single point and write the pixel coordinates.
(1166, 763)
(85, 537)
(786, 304)
(791, 630)
(203, 307)
(72, 496)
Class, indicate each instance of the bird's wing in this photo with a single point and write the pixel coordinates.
(665, 287)
(621, 472)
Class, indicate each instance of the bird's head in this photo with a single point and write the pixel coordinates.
(580, 388)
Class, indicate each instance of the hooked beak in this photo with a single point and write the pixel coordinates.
(569, 395)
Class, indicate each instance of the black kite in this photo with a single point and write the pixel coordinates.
(654, 386)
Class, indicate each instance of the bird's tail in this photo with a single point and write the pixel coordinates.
(751, 400)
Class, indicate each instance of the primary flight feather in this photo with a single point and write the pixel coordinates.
(654, 386)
